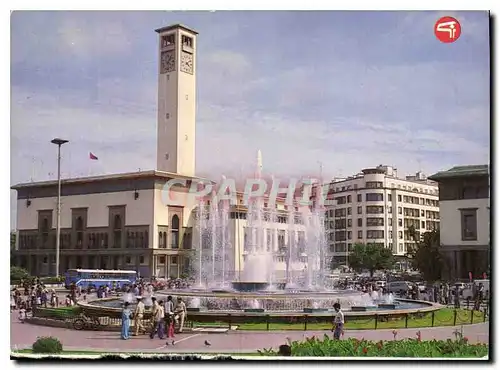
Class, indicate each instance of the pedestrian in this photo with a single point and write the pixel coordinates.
(181, 312)
(154, 309)
(126, 315)
(338, 322)
(158, 322)
(138, 316)
(169, 317)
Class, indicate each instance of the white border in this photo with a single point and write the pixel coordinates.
(193, 5)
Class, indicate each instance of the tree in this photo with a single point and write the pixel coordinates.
(18, 273)
(426, 257)
(13, 238)
(370, 257)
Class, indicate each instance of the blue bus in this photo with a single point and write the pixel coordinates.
(96, 278)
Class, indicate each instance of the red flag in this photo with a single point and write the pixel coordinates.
(93, 157)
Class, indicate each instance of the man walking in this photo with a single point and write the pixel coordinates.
(158, 321)
(139, 316)
(338, 322)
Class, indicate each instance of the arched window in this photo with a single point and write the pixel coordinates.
(117, 222)
(117, 232)
(160, 240)
(174, 227)
(79, 232)
(79, 224)
(132, 239)
(45, 225)
(45, 232)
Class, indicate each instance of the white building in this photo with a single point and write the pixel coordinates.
(464, 203)
(376, 206)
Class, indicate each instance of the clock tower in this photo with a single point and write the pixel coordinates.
(176, 100)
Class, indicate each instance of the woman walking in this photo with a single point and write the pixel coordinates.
(126, 313)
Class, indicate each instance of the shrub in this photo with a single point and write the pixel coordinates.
(47, 345)
(18, 273)
(52, 280)
(327, 347)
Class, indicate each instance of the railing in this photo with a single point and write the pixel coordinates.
(268, 321)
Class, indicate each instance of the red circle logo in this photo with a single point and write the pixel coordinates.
(447, 29)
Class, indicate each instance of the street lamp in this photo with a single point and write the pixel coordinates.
(58, 142)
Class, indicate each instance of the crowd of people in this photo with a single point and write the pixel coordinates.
(165, 316)
(32, 293)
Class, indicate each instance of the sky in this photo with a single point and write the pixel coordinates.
(334, 90)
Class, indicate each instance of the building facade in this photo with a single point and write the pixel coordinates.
(464, 203)
(376, 206)
(107, 222)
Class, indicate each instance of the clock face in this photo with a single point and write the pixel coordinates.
(167, 61)
(187, 62)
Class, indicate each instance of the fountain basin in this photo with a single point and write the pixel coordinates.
(249, 286)
(388, 306)
(193, 309)
(255, 310)
(315, 310)
(363, 308)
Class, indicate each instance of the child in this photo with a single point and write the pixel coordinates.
(170, 325)
(338, 323)
(22, 315)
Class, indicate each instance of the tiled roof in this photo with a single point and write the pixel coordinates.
(462, 171)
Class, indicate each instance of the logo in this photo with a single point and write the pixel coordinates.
(447, 29)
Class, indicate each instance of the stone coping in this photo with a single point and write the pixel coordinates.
(430, 306)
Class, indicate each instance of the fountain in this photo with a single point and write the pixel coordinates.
(302, 246)
(298, 240)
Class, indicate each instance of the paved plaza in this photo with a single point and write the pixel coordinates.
(23, 336)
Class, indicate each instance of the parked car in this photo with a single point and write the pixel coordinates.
(469, 290)
(458, 287)
(399, 286)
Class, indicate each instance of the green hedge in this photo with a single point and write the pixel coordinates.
(58, 313)
(47, 345)
(45, 280)
(328, 347)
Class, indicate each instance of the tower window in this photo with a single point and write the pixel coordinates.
(187, 41)
(187, 97)
(167, 40)
(167, 115)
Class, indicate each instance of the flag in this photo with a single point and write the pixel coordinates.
(92, 156)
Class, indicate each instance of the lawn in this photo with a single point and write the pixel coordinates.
(442, 317)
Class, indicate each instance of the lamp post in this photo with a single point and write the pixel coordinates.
(59, 142)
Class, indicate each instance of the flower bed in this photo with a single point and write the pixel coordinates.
(328, 347)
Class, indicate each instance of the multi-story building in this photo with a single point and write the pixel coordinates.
(376, 206)
(107, 222)
(464, 204)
